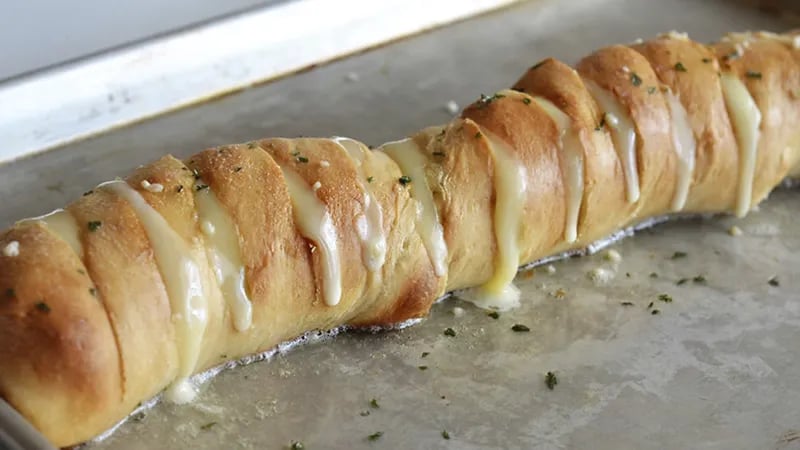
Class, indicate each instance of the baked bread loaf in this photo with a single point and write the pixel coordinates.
(145, 281)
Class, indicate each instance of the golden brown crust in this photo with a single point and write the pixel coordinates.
(458, 159)
(691, 71)
(59, 363)
(533, 137)
(629, 76)
(604, 205)
(119, 245)
(769, 68)
(88, 335)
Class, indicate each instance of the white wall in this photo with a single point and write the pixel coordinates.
(40, 33)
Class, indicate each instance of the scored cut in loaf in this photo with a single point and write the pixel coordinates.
(184, 265)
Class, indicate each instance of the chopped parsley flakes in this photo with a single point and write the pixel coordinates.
(550, 380)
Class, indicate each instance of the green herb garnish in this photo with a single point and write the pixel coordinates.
(237, 169)
(494, 315)
(655, 311)
(666, 298)
(601, 124)
(774, 282)
(478, 135)
(626, 303)
(635, 79)
(404, 180)
(731, 56)
(302, 159)
(374, 403)
(200, 187)
(753, 75)
(375, 436)
(699, 279)
(449, 332)
(653, 275)
(43, 307)
(424, 354)
(179, 188)
(706, 60)
(484, 101)
(422, 367)
(519, 328)
(370, 179)
(208, 426)
(651, 90)
(679, 255)
(93, 292)
(445, 435)
(550, 380)
(682, 281)
(526, 100)
(650, 305)
(297, 445)
(680, 67)
(94, 225)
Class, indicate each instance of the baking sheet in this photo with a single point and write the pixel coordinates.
(715, 368)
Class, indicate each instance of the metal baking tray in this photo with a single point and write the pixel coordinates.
(715, 368)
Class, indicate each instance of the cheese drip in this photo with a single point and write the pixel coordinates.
(685, 148)
(63, 225)
(184, 284)
(573, 166)
(510, 187)
(314, 222)
(746, 120)
(409, 157)
(370, 224)
(222, 243)
(623, 134)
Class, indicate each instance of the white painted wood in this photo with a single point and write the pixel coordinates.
(49, 109)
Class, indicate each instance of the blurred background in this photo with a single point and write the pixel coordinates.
(36, 34)
(69, 70)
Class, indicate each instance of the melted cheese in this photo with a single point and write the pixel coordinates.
(184, 284)
(222, 244)
(510, 187)
(746, 120)
(63, 225)
(370, 224)
(623, 134)
(407, 154)
(573, 170)
(685, 147)
(315, 223)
